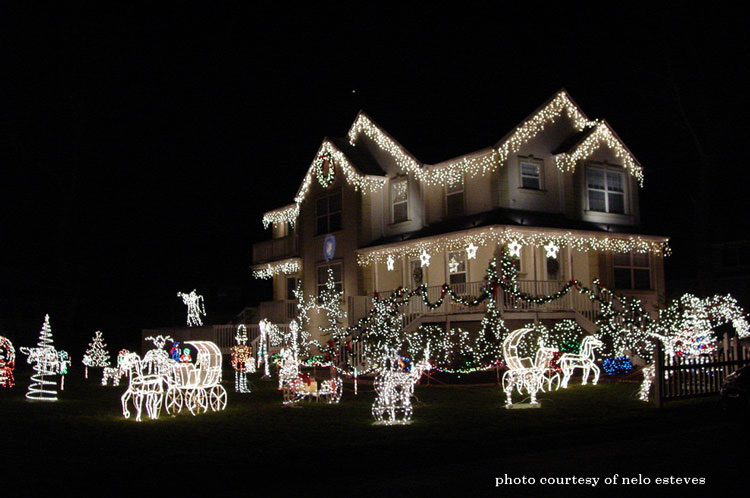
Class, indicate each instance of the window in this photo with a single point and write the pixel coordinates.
(454, 197)
(291, 284)
(632, 271)
(606, 190)
(399, 200)
(338, 277)
(328, 214)
(457, 267)
(531, 175)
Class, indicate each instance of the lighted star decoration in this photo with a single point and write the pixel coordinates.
(552, 250)
(471, 251)
(453, 265)
(514, 249)
(389, 262)
(424, 258)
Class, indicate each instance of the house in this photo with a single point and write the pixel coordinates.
(560, 191)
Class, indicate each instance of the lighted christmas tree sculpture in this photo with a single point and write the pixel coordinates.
(45, 361)
(96, 355)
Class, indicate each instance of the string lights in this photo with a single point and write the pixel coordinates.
(242, 360)
(285, 267)
(500, 235)
(524, 374)
(584, 360)
(394, 388)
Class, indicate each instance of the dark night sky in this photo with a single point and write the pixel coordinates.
(140, 148)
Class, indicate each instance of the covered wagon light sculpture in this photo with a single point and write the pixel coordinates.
(7, 362)
(197, 386)
(523, 374)
(584, 360)
(242, 360)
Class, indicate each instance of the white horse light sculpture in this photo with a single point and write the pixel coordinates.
(523, 373)
(584, 360)
(143, 387)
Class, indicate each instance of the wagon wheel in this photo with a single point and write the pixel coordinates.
(506, 380)
(218, 398)
(197, 401)
(174, 401)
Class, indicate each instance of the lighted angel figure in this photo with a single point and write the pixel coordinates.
(195, 307)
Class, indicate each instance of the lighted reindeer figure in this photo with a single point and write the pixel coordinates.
(115, 373)
(395, 388)
(584, 360)
(523, 373)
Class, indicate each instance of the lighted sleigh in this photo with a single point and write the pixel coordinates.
(197, 386)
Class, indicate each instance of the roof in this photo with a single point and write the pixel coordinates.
(573, 140)
(359, 156)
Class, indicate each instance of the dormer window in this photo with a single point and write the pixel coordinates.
(606, 189)
(454, 197)
(399, 200)
(531, 174)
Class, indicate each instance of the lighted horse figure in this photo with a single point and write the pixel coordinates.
(115, 373)
(395, 387)
(523, 373)
(584, 360)
(143, 387)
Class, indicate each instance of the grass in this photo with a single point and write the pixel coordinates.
(461, 438)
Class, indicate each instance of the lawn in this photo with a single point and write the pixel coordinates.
(461, 438)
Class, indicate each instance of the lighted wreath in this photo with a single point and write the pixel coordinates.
(7, 362)
(324, 169)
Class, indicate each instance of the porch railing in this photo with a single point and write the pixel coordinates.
(271, 250)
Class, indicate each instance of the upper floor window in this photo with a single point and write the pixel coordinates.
(531, 174)
(291, 285)
(632, 271)
(454, 197)
(457, 267)
(399, 200)
(606, 189)
(328, 214)
(338, 277)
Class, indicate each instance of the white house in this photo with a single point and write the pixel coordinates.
(560, 188)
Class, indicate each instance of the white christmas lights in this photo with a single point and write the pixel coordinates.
(551, 249)
(287, 214)
(196, 386)
(502, 234)
(471, 251)
(389, 261)
(514, 249)
(285, 267)
(195, 307)
(424, 258)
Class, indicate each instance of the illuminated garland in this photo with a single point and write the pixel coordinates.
(7, 362)
(516, 238)
(617, 366)
(285, 267)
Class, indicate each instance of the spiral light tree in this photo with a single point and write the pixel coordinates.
(96, 356)
(45, 361)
